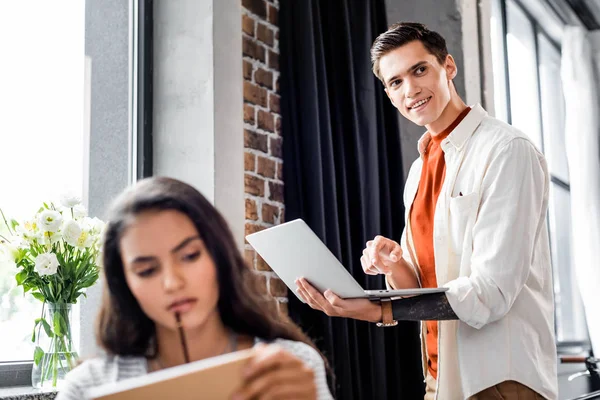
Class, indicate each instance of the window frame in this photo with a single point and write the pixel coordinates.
(562, 345)
(17, 373)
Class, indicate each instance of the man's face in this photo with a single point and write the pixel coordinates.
(416, 83)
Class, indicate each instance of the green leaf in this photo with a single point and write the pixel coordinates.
(21, 276)
(59, 324)
(37, 355)
(37, 322)
(46, 205)
(38, 296)
(47, 328)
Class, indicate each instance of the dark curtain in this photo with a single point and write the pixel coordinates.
(343, 176)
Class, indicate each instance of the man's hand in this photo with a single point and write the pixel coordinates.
(384, 256)
(381, 256)
(334, 306)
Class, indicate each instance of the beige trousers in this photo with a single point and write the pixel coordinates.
(507, 390)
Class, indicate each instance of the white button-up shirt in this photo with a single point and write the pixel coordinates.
(492, 252)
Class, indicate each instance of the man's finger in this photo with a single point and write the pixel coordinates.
(366, 266)
(320, 301)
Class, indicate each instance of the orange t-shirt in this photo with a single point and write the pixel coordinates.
(421, 221)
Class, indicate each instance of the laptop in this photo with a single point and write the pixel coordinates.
(293, 250)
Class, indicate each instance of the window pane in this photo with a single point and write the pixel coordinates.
(570, 317)
(499, 67)
(41, 133)
(522, 67)
(553, 109)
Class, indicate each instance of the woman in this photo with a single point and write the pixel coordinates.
(168, 251)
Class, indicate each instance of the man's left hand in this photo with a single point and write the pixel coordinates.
(334, 306)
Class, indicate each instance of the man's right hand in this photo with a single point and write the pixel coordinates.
(384, 256)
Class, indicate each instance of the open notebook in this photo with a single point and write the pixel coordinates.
(214, 378)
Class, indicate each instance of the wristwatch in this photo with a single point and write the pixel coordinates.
(387, 318)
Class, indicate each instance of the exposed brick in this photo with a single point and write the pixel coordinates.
(265, 167)
(249, 114)
(276, 191)
(262, 284)
(249, 257)
(276, 149)
(254, 185)
(253, 49)
(274, 102)
(283, 308)
(265, 121)
(258, 7)
(256, 141)
(277, 288)
(277, 35)
(248, 70)
(265, 34)
(269, 213)
(273, 15)
(261, 264)
(249, 162)
(248, 25)
(251, 210)
(264, 78)
(253, 228)
(255, 94)
(273, 60)
(279, 174)
(277, 85)
(282, 216)
(277, 125)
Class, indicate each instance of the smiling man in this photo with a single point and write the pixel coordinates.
(476, 202)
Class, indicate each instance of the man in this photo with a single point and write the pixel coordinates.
(476, 202)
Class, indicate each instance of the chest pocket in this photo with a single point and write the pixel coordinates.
(460, 210)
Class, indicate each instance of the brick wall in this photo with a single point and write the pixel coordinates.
(262, 132)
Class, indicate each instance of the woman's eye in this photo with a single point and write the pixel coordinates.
(192, 256)
(146, 272)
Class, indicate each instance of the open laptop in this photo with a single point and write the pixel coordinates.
(293, 250)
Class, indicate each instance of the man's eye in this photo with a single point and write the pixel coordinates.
(396, 83)
(192, 256)
(420, 70)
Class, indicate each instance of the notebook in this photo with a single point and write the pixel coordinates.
(214, 378)
(293, 250)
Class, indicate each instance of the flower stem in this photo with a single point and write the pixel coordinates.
(6, 223)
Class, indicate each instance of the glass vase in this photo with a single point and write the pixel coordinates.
(54, 353)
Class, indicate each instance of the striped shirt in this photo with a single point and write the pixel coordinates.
(101, 370)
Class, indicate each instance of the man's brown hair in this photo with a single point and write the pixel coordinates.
(402, 33)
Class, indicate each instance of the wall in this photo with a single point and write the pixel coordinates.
(262, 131)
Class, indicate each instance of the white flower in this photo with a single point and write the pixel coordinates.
(85, 240)
(46, 264)
(50, 220)
(79, 211)
(71, 232)
(9, 250)
(69, 200)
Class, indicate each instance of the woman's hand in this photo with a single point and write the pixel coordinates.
(274, 373)
(334, 306)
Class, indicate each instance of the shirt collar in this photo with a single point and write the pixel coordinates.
(461, 134)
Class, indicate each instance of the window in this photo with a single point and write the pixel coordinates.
(528, 95)
(42, 81)
(77, 101)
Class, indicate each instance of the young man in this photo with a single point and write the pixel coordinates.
(476, 202)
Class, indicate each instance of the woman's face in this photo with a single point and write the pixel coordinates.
(169, 270)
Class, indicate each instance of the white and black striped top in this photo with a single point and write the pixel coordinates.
(102, 370)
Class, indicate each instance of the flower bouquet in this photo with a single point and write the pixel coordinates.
(57, 258)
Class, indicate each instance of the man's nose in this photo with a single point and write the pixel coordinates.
(411, 88)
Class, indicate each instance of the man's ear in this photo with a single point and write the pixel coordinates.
(450, 67)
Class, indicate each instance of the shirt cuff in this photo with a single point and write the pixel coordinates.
(465, 303)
